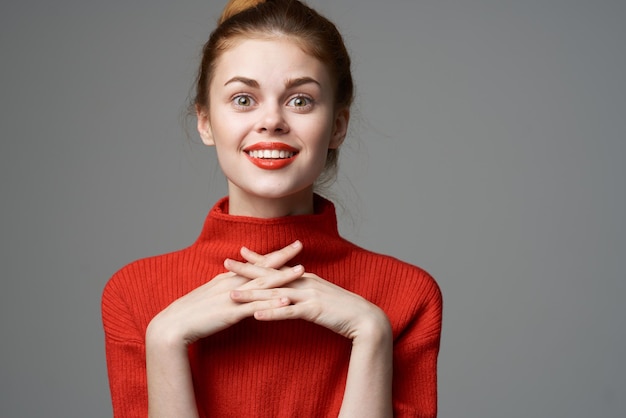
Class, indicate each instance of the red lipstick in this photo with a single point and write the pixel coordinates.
(271, 155)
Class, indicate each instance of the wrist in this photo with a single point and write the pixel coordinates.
(375, 330)
(161, 337)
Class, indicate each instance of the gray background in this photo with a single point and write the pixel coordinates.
(487, 146)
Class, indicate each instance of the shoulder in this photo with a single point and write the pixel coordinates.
(391, 271)
(140, 290)
(143, 286)
(144, 272)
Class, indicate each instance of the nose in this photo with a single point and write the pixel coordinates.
(272, 120)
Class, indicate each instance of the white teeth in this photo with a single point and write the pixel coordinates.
(273, 153)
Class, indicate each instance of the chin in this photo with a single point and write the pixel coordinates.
(273, 191)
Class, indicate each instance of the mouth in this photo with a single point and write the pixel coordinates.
(271, 155)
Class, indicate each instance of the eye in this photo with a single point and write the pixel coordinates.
(243, 100)
(300, 102)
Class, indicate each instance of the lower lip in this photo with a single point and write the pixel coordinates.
(272, 163)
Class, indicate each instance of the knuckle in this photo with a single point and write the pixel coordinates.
(265, 262)
(289, 311)
(316, 312)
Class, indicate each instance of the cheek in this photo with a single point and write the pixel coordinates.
(320, 131)
(227, 131)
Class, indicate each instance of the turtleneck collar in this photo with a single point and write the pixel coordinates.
(223, 234)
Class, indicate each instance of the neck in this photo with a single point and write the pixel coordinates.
(245, 204)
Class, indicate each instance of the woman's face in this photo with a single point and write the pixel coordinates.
(271, 118)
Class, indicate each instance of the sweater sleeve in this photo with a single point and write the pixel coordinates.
(415, 356)
(125, 355)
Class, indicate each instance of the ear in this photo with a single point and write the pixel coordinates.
(204, 126)
(340, 128)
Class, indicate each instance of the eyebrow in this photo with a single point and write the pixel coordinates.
(291, 83)
(247, 81)
(297, 82)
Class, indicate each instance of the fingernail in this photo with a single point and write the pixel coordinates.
(296, 244)
(259, 314)
(235, 294)
(298, 268)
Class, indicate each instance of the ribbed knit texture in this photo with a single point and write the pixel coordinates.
(274, 369)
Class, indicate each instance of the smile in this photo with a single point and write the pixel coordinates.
(271, 155)
(267, 153)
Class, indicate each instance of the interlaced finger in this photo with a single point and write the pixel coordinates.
(263, 277)
(276, 259)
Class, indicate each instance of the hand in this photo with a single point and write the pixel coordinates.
(209, 308)
(200, 313)
(311, 298)
(369, 381)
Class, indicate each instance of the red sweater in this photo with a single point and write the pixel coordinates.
(274, 369)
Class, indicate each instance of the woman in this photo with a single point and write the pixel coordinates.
(270, 313)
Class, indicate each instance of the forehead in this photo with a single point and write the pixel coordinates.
(268, 60)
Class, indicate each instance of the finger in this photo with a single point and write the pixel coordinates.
(251, 271)
(249, 309)
(274, 259)
(246, 296)
(271, 279)
(249, 296)
(279, 313)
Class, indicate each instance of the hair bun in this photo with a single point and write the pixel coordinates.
(237, 6)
